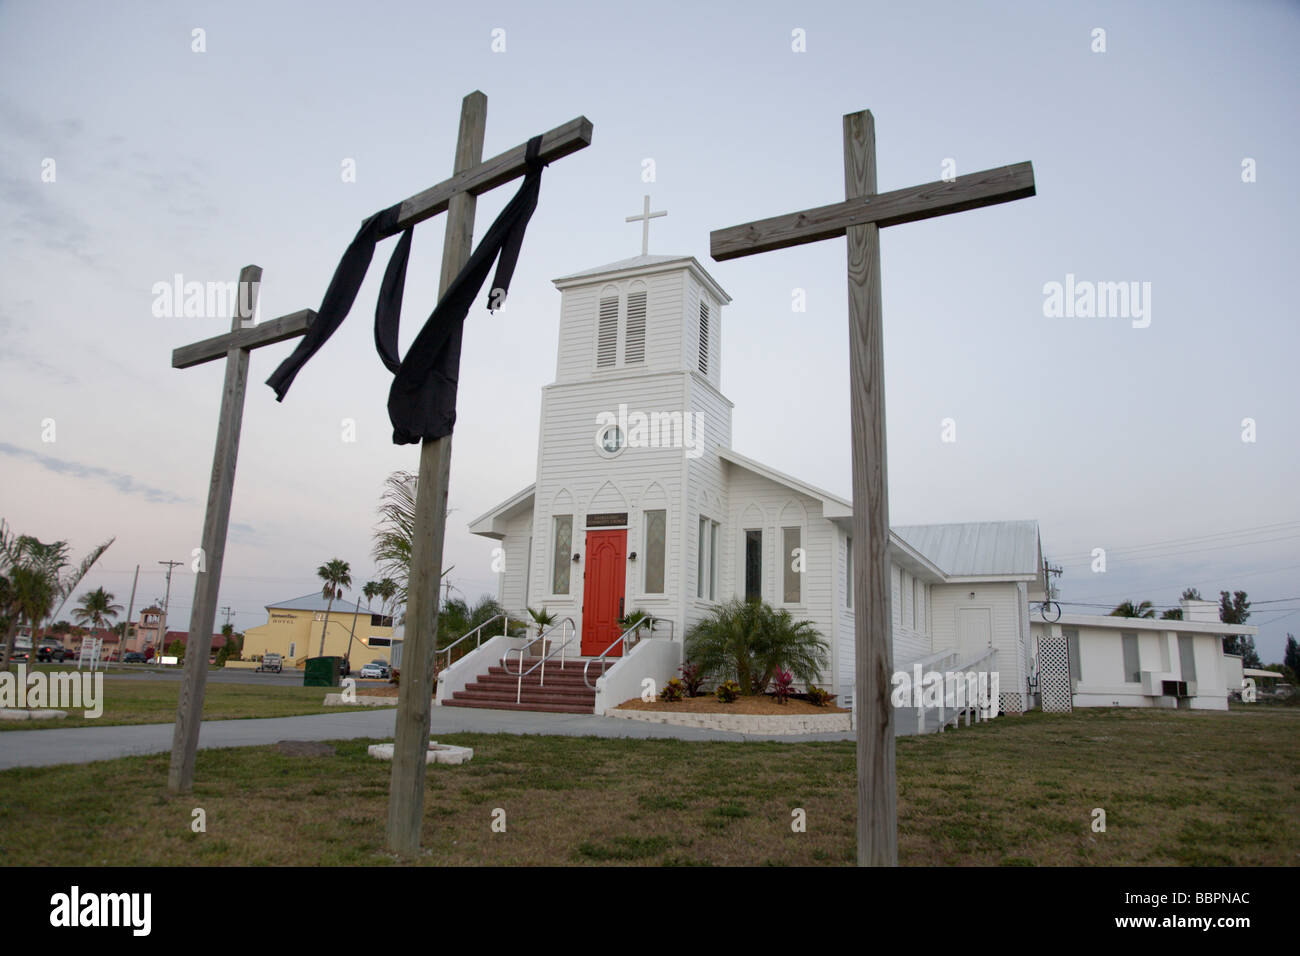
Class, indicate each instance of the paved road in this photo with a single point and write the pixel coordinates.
(215, 676)
(38, 748)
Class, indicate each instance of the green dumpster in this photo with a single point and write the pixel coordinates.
(322, 672)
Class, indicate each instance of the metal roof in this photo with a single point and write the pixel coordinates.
(636, 262)
(977, 547)
(646, 265)
(310, 602)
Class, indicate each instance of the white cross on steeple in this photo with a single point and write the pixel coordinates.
(644, 219)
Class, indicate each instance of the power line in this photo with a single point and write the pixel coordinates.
(1208, 585)
(1218, 534)
(1171, 554)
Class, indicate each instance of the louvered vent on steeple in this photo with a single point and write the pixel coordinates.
(607, 333)
(634, 340)
(704, 337)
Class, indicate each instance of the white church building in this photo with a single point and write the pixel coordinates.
(639, 502)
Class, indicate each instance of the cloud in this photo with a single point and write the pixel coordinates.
(123, 483)
(13, 332)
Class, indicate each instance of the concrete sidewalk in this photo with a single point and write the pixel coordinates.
(40, 748)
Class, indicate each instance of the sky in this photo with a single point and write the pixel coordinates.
(133, 149)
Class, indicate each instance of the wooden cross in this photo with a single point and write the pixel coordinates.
(644, 219)
(458, 197)
(860, 217)
(234, 347)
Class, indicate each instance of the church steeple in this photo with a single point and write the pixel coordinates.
(640, 315)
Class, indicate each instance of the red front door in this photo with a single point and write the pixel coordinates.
(602, 591)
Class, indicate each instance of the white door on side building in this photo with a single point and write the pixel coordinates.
(974, 631)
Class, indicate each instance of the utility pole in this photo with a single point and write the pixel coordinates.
(347, 655)
(162, 625)
(227, 612)
(130, 608)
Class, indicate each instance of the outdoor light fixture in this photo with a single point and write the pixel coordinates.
(632, 556)
(577, 558)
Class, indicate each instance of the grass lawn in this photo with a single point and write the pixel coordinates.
(138, 701)
(1178, 788)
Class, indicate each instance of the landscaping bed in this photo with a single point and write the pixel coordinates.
(709, 704)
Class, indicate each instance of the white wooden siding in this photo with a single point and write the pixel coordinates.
(579, 310)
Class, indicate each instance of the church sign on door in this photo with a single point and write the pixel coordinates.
(609, 520)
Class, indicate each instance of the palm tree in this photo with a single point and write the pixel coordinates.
(30, 595)
(395, 531)
(96, 609)
(749, 641)
(1129, 609)
(337, 575)
(370, 591)
(33, 575)
(387, 591)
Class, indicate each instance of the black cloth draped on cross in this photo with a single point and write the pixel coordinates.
(422, 400)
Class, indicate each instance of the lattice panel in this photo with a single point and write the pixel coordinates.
(1011, 703)
(1054, 675)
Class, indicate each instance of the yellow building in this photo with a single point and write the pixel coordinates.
(293, 630)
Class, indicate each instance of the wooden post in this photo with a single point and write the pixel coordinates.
(859, 218)
(207, 581)
(873, 657)
(415, 694)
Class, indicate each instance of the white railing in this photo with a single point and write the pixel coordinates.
(505, 631)
(645, 623)
(564, 625)
(949, 702)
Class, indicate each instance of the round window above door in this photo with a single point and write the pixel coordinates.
(611, 441)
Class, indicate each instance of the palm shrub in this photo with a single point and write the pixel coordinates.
(457, 618)
(749, 641)
(543, 619)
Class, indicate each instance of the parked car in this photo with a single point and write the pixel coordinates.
(271, 662)
(376, 668)
(133, 657)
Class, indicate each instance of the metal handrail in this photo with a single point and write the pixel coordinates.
(505, 662)
(505, 629)
(635, 628)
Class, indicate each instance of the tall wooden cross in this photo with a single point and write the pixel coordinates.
(458, 197)
(234, 347)
(644, 219)
(860, 217)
